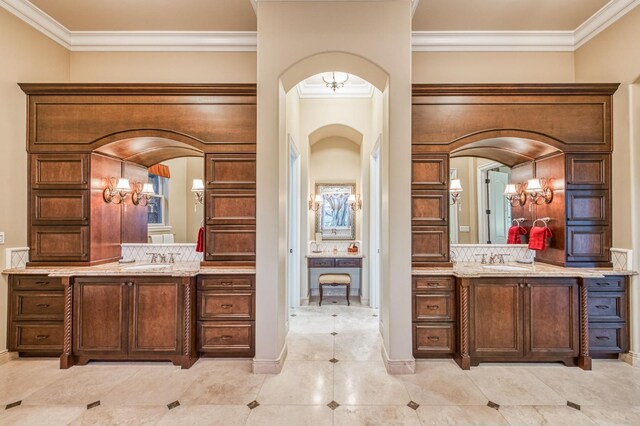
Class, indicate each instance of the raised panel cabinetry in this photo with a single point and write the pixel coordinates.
(226, 315)
(434, 316)
(608, 316)
(35, 315)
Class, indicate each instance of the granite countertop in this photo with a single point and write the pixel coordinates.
(328, 254)
(179, 269)
(472, 269)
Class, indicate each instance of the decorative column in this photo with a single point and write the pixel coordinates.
(584, 361)
(464, 359)
(66, 359)
(188, 356)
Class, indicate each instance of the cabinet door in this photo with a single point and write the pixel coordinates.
(552, 320)
(155, 320)
(496, 318)
(100, 316)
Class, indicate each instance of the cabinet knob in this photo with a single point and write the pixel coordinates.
(433, 307)
(226, 306)
(226, 337)
(602, 307)
(433, 338)
(43, 283)
(43, 305)
(42, 337)
(602, 338)
(528, 285)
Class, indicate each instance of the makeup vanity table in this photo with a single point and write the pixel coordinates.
(340, 263)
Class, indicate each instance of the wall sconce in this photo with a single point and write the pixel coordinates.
(117, 190)
(539, 191)
(515, 195)
(142, 194)
(315, 202)
(455, 189)
(354, 202)
(198, 190)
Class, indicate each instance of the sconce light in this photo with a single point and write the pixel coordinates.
(515, 195)
(455, 189)
(116, 192)
(315, 202)
(539, 191)
(198, 190)
(142, 194)
(354, 202)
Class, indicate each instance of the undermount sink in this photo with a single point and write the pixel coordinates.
(505, 268)
(147, 267)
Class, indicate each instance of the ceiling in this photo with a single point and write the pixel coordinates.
(314, 87)
(230, 25)
(151, 15)
(503, 15)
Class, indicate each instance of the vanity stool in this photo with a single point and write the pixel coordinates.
(334, 280)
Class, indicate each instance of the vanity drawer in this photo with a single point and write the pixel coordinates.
(348, 263)
(43, 337)
(227, 281)
(608, 338)
(606, 284)
(433, 339)
(35, 282)
(607, 306)
(321, 263)
(36, 305)
(433, 283)
(226, 338)
(214, 305)
(433, 306)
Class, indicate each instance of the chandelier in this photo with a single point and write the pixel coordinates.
(338, 80)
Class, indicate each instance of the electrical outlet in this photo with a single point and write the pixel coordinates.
(1, 237)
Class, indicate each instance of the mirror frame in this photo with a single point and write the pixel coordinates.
(335, 233)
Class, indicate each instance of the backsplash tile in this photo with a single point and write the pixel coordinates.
(16, 257)
(138, 252)
(622, 259)
(474, 252)
(328, 246)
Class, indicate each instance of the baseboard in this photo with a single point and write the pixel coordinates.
(398, 366)
(364, 302)
(6, 356)
(270, 366)
(631, 358)
(304, 301)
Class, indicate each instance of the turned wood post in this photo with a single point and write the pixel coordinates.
(465, 358)
(188, 356)
(584, 361)
(66, 359)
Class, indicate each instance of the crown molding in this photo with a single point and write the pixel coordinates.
(602, 19)
(246, 41)
(492, 41)
(316, 91)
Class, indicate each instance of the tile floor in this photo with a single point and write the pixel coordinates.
(354, 389)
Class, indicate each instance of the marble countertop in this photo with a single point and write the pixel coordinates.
(328, 254)
(180, 269)
(473, 269)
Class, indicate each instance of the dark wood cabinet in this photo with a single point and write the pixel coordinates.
(518, 319)
(35, 315)
(608, 316)
(226, 315)
(132, 319)
(434, 316)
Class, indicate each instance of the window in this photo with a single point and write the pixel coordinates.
(158, 206)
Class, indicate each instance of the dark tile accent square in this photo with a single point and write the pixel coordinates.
(335, 301)
(173, 405)
(293, 315)
(13, 404)
(573, 405)
(375, 315)
(333, 360)
(334, 315)
(333, 405)
(253, 404)
(93, 405)
(493, 405)
(334, 333)
(413, 405)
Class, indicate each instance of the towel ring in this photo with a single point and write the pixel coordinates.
(518, 221)
(544, 220)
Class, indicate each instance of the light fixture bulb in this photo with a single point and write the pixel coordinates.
(198, 185)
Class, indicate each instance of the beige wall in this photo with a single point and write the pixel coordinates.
(27, 56)
(614, 57)
(492, 67)
(163, 67)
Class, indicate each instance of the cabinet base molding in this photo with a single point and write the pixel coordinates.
(631, 358)
(398, 366)
(270, 366)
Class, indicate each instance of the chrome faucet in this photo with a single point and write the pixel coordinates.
(496, 258)
(484, 258)
(172, 258)
(154, 257)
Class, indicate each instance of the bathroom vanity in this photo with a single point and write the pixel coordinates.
(340, 263)
(506, 313)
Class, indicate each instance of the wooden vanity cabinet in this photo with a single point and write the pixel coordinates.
(524, 319)
(608, 316)
(434, 316)
(226, 315)
(132, 318)
(35, 315)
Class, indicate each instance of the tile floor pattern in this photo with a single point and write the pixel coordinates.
(311, 390)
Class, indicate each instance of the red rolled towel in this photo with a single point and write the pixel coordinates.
(513, 236)
(200, 243)
(538, 237)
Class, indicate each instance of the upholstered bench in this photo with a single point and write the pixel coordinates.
(335, 280)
